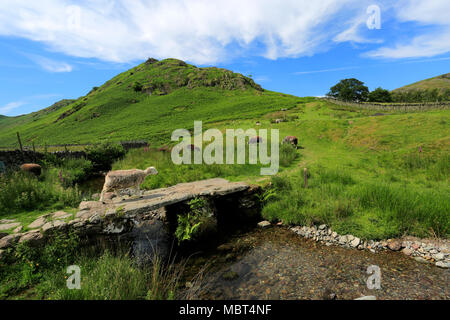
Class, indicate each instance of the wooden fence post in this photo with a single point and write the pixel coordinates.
(20, 142)
(305, 176)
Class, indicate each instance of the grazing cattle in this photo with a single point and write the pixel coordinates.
(31, 168)
(117, 181)
(291, 140)
(256, 139)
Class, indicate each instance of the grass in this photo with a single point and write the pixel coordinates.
(40, 273)
(368, 209)
(23, 193)
(367, 176)
(116, 112)
(171, 174)
(440, 82)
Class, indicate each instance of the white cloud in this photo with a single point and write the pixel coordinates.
(434, 14)
(50, 65)
(201, 31)
(5, 110)
(207, 31)
(26, 101)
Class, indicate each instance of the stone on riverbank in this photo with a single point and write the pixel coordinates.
(443, 264)
(264, 224)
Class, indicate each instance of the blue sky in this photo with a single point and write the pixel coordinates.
(51, 50)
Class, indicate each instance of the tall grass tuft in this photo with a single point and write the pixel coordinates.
(118, 277)
(20, 191)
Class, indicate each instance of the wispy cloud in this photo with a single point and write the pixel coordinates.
(12, 107)
(325, 70)
(6, 109)
(426, 44)
(49, 64)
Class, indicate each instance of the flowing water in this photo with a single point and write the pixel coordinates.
(275, 263)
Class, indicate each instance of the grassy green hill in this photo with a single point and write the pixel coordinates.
(367, 175)
(147, 102)
(441, 82)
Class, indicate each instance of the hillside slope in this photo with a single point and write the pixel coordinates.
(147, 102)
(441, 82)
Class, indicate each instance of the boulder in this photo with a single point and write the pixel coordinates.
(395, 245)
(443, 264)
(355, 242)
(407, 251)
(9, 240)
(33, 237)
(53, 225)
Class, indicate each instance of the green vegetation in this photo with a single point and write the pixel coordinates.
(376, 209)
(23, 193)
(349, 90)
(170, 174)
(435, 89)
(421, 95)
(380, 95)
(189, 223)
(173, 95)
(374, 175)
(40, 273)
(371, 175)
(103, 155)
(441, 83)
(431, 90)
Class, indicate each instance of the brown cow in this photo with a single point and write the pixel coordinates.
(31, 168)
(291, 140)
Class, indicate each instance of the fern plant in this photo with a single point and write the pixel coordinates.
(189, 223)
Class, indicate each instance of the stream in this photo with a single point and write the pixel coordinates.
(277, 264)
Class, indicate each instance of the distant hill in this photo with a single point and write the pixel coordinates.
(441, 83)
(148, 101)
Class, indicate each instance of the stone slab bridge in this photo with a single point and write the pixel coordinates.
(229, 205)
